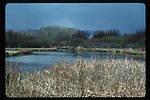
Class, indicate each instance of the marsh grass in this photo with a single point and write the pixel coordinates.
(94, 78)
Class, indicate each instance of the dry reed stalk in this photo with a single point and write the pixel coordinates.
(118, 78)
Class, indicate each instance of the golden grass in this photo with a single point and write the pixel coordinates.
(106, 78)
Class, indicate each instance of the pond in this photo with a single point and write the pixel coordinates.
(42, 60)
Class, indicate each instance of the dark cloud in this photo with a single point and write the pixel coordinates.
(126, 17)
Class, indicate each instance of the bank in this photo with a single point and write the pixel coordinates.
(24, 51)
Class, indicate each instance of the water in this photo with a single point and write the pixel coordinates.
(42, 59)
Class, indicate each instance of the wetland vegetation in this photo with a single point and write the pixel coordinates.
(84, 77)
(94, 78)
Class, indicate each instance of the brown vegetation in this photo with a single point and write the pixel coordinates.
(106, 78)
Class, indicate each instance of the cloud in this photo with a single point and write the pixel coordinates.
(91, 16)
(64, 22)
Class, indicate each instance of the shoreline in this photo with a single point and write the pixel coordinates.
(24, 51)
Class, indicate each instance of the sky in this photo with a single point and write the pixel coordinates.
(127, 17)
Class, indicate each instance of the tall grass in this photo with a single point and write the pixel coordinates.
(105, 78)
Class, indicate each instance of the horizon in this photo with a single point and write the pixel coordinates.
(92, 16)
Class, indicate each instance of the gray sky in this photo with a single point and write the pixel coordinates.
(127, 17)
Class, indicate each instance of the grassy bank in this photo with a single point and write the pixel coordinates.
(25, 51)
(81, 49)
(112, 50)
(17, 52)
(106, 78)
(31, 49)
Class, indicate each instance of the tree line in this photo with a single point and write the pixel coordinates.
(60, 36)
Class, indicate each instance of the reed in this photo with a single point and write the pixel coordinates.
(94, 78)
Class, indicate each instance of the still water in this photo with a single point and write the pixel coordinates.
(42, 60)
